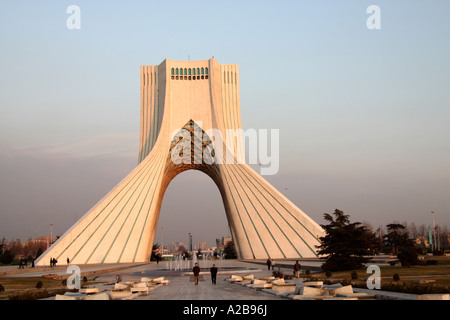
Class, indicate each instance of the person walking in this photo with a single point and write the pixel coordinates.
(196, 271)
(297, 269)
(268, 264)
(213, 274)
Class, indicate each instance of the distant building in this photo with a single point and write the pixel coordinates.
(203, 246)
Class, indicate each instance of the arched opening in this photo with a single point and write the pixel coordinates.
(192, 203)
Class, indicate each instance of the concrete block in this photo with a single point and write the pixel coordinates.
(146, 279)
(318, 284)
(98, 296)
(157, 280)
(261, 285)
(69, 297)
(358, 295)
(88, 290)
(311, 297)
(117, 295)
(258, 281)
(311, 291)
(236, 278)
(278, 281)
(121, 286)
(268, 278)
(444, 296)
(285, 287)
(140, 285)
(161, 280)
(140, 290)
(249, 277)
(245, 281)
(132, 296)
(342, 290)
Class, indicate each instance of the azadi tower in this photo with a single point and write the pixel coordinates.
(190, 119)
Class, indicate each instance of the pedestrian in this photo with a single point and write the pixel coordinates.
(297, 269)
(51, 262)
(68, 261)
(268, 264)
(213, 274)
(54, 262)
(196, 271)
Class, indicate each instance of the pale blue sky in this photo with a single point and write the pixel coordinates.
(363, 114)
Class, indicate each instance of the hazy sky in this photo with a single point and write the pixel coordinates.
(363, 114)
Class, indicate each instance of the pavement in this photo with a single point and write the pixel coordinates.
(181, 283)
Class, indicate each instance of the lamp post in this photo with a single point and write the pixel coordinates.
(434, 231)
(190, 242)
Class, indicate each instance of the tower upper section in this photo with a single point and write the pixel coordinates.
(176, 92)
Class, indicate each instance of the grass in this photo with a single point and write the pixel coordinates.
(24, 288)
(439, 273)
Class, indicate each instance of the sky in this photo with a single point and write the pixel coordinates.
(363, 113)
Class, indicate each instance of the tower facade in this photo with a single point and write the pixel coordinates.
(190, 119)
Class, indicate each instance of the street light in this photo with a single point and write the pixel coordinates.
(190, 242)
(434, 232)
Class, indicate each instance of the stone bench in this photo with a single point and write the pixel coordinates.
(88, 290)
(444, 296)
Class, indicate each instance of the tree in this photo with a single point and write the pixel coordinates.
(399, 243)
(345, 244)
(7, 257)
(397, 238)
(230, 250)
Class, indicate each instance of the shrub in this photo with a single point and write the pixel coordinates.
(278, 274)
(438, 252)
(408, 256)
(307, 272)
(7, 257)
(39, 285)
(328, 274)
(354, 275)
(396, 277)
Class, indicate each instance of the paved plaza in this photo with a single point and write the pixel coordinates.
(181, 283)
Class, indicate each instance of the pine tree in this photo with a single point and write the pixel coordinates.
(345, 244)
